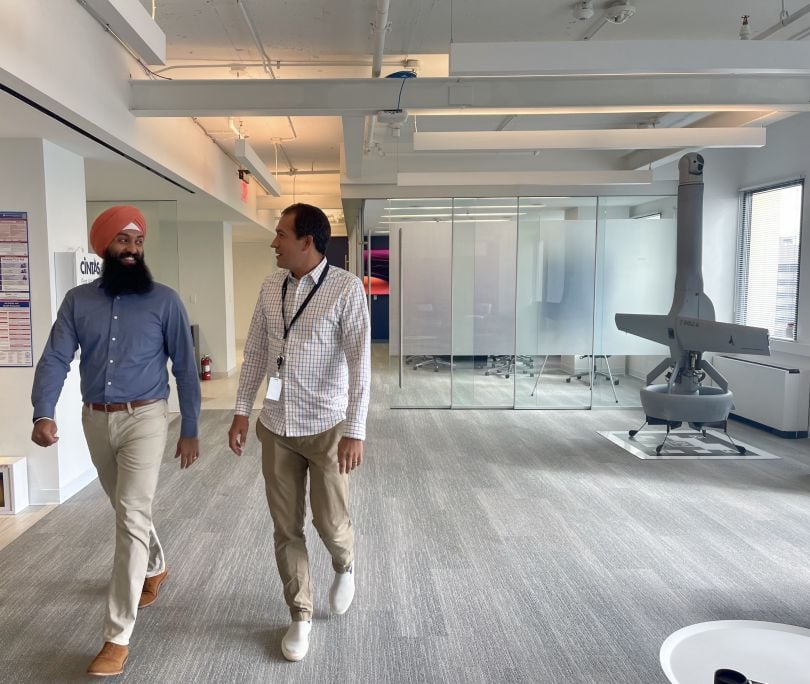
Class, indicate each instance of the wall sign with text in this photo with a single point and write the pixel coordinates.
(15, 291)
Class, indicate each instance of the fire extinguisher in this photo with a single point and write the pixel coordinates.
(205, 367)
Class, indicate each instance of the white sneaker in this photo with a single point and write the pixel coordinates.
(342, 591)
(295, 644)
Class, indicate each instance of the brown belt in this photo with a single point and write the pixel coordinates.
(110, 408)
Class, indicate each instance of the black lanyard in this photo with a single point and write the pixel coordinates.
(303, 306)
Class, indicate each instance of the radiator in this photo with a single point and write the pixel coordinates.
(777, 397)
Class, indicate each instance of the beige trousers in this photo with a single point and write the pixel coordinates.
(285, 464)
(127, 448)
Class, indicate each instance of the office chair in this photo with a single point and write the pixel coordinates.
(506, 365)
(426, 360)
(593, 372)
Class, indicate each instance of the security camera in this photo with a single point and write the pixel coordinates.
(583, 10)
(620, 12)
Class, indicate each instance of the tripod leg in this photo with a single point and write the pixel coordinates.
(612, 382)
(740, 449)
(661, 446)
(633, 433)
(537, 382)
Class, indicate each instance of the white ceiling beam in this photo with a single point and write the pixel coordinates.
(647, 158)
(631, 57)
(571, 178)
(130, 21)
(593, 139)
(246, 156)
(497, 96)
(351, 192)
(352, 152)
(328, 201)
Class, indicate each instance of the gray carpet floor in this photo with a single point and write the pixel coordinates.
(493, 546)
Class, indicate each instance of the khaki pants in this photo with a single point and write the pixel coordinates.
(285, 463)
(127, 448)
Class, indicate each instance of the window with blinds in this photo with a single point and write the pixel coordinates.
(767, 290)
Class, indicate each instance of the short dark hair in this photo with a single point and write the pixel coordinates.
(312, 221)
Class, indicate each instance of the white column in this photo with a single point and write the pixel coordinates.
(46, 182)
(252, 263)
(206, 287)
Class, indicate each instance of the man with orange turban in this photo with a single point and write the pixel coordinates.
(127, 327)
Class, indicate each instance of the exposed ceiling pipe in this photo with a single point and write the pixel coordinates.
(268, 69)
(316, 172)
(381, 27)
(598, 25)
(784, 20)
(282, 63)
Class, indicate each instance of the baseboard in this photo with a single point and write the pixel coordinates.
(43, 497)
(786, 434)
(219, 375)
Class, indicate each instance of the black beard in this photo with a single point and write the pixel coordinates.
(118, 278)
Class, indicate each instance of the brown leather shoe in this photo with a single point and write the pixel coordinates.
(110, 661)
(151, 588)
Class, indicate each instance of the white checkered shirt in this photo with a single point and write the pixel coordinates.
(327, 356)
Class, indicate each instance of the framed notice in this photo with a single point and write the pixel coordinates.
(16, 348)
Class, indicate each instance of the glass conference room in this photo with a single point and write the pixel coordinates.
(510, 302)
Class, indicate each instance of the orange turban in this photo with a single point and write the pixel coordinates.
(111, 222)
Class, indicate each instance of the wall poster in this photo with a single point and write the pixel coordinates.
(15, 291)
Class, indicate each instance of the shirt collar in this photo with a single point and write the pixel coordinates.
(314, 274)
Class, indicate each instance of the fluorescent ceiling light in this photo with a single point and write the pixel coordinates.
(130, 21)
(513, 205)
(426, 220)
(553, 178)
(630, 57)
(250, 160)
(458, 213)
(607, 139)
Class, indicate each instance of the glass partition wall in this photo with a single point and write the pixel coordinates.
(510, 302)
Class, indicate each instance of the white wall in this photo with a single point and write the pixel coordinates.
(59, 56)
(47, 182)
(206, 287)
(252, 263)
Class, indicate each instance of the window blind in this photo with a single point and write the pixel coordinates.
(767, 283)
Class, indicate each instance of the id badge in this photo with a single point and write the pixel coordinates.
(274, 388)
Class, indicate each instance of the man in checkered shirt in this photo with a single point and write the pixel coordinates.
(310, 337)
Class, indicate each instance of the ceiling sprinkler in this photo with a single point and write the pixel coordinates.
(745, 29)
(583, 10)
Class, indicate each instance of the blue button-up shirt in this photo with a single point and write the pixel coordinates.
(125, 343)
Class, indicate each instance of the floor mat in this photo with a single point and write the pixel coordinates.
(684, 445)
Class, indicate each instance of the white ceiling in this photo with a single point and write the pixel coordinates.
(210, 39)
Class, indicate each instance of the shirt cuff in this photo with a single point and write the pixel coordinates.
(188, 428)
(243, 408)
(354, 429)
(43, 410)
(36, 420)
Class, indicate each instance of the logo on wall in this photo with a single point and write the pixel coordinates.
(88, 267)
